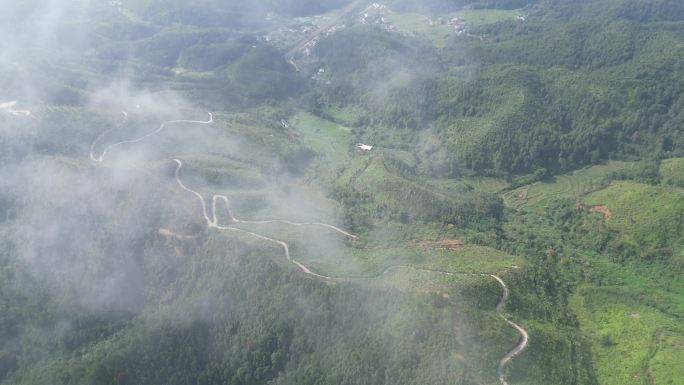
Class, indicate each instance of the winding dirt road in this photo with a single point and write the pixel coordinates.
(140, 139)
(524, 337)
(213, 222)
(235, 220)
(102, 134)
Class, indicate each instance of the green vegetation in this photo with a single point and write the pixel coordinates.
(619, 248)
(572, 185)
(649, 219)
(422, 24)
(481, 16)
(612, 92)
(672, 172)
(381, 187)
(547, 151)
(437, 28)
(327, 139)
(631, 341)
(229, 342)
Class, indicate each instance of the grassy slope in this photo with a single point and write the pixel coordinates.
(642, 350)
(648, 215)
(328, 139)
(630, 312)
(430, 26)
(672, 172)
(571, 185)
(644, 341)
(487, 337)
(632, 342)
(397, 244)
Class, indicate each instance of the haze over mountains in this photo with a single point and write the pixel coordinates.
(342, 192)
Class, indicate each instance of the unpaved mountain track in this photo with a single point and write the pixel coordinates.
(140, 139)
(224, 198)
(524, 337)
(213, 222)
(99, 137)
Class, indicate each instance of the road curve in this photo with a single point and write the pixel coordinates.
(102, 134)
(140, 139)
(212, 222)
(524, 337)
(235, 220)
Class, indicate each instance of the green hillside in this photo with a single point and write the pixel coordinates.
(339, 192)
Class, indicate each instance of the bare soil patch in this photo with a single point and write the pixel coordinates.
(168, 233)
(601, 209)
(444, 244)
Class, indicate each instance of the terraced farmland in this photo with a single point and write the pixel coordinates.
(574, 184)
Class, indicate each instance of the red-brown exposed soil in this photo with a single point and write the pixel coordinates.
(444, 244)
(168, 233)
(602, 209)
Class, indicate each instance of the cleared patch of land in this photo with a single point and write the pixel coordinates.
(486, 16)
(672, 172)
(574, 184)
(437, 27)
(647, 215)
(632, 342)
(328, 139)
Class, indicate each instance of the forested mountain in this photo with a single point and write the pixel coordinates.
(342, 192)
(552, 94)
